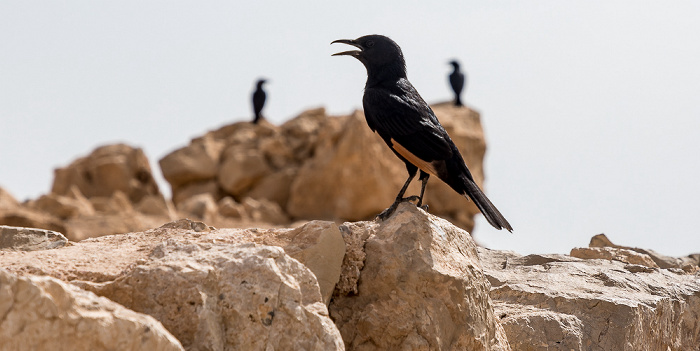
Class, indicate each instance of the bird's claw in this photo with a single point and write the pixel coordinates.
(389, 211)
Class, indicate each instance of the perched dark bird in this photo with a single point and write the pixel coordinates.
(258, 100)
(395, 110)
(457, 80)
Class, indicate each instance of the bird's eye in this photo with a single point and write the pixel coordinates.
(369, 44)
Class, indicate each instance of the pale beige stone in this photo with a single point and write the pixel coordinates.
(191, 189)
(199, 161)
(7, 201)
(229, 297)
(30, 239)
(320, 246)
(421, 287)
(613, 253)
(43, 313)
(264, 211)
(536, 329)
(202, 207)
(275, 186)
(188, 265)
(63, 206)
(241, 169)
(106, 170)
(688, 263)
(228, 207)
(620, 306)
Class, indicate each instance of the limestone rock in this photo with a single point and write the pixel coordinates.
(63, 206)
(108, 169)
(202, 207)
(275, 186)
(613, 253)
(29, 218)
(228, 207)
(190, 276)
(230, 297)
(320, 246)
(620, 306)
(241, 169)
(264, 211)
(196, 162)
(535, 329)
(421, 288)
(43, 313)
(191, 189)
(316, 166)
(337, 181)
(156, 206)
(30, 239)
(7, 201)
(689, 263)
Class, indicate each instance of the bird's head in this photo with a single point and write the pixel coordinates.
(261, 82)
(454, 64)
(375, 52)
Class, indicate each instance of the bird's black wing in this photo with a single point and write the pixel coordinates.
(398, 112)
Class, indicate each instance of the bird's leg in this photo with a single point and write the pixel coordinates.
(399, 198)
(424, 181)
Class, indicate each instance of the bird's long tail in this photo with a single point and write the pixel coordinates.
(492, 214)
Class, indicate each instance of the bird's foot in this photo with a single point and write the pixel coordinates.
(389, 211)
(424, 208)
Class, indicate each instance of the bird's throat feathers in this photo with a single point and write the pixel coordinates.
(390, 72)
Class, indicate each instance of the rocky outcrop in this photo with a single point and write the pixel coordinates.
(421, 287)
(212, 289)
(562, 302)
(315, 166)
(106, 170)
(30, 239)
(44, 313)
(414, 281)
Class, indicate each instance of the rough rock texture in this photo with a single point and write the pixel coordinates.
(613, 253)
(421, 288)
(608, 305)
(29, 239)
(43, 313)
(236, 297)
(535, 329)
(688, 263)
(315, 166)
(213, 289)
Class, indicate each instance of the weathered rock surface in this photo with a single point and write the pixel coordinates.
(597, 304)
(421, 288)
(688, 263)
(108, 169)
(44, 313)
(212, 289)
(315, 166)
(30, 239)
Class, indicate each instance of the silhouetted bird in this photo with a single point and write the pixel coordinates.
(258, 100)
(457, 80)
(395, 110)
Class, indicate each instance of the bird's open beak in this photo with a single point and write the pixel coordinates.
(354, 53)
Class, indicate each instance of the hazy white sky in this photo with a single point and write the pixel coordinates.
(591, 109)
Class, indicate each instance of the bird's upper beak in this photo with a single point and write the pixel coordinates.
(354, 53)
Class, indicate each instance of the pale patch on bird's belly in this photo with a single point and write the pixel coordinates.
(425, 166)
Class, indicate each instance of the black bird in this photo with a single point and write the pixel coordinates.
(395, 110)
(258, 100)
(457, 80)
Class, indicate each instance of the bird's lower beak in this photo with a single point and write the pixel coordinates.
(351, 52)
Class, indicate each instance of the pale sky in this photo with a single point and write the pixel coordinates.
(590, 109)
